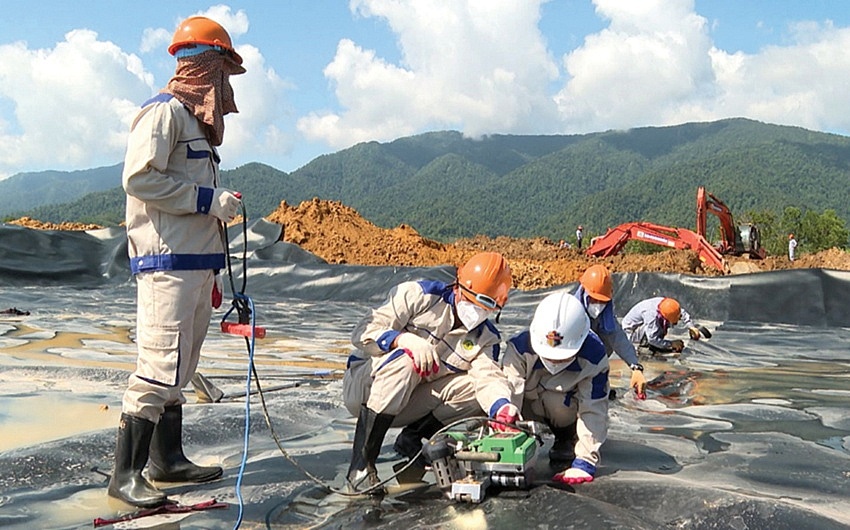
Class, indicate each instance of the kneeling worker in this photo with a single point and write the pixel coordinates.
(558, 371)
(426, 358)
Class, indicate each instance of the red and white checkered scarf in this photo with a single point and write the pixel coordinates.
(202, 84)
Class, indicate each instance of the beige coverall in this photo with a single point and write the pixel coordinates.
(170, 171)
(469, 380)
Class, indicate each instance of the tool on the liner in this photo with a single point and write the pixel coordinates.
(465, 464)
(165, 508)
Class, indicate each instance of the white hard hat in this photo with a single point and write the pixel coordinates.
(559, 327)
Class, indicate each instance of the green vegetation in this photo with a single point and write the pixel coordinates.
(447, 186)
(814, 232)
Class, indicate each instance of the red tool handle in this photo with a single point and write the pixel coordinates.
(242, 329)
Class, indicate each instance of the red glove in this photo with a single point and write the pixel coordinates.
(573, 476)
(506, 414)
(217, 291)
(426, 360)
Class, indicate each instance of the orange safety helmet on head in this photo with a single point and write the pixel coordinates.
(596, 281)
(790, 236)
(202, 30)
(484, 279)
(670, 310)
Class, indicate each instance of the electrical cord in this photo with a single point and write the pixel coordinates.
(244, 306)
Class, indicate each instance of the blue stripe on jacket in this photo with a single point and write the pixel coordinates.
(176, 262)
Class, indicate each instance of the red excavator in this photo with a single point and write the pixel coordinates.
(744, 240)
(747, 241)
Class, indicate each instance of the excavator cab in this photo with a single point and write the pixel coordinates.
(735, 240)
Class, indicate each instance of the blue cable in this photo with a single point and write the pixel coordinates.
(247, 413)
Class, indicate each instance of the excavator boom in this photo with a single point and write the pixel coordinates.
(680, 238)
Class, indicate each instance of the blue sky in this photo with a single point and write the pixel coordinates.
(324, 75)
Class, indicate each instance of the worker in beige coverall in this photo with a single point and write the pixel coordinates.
(174, 216)
(558, 370)
(426, 358)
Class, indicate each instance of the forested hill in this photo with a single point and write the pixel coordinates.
(447, 186)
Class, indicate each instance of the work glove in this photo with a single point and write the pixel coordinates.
(426, 360)
(694, 333)
(507, 413)
(677, 345)
(217, 291)
(638, 381)
(573, 476)
(225, 204)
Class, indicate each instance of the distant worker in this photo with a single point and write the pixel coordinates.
(426, 358)
(648, 321)
(558, 370)
(176, 209)
(563, 244)
(595, 292)
(579, 234)
(792, 247)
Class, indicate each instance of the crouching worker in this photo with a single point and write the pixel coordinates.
(425, 359)
(595, 292)
(648, 322)
(175, 211)
(558, 371)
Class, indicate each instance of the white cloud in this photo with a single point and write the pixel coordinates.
(799, 84)
(236, 23)
(155, 39)
(72, 104)
(483, 67)
(655, 64)
(480, 66)
(652, 59)
(256, 131)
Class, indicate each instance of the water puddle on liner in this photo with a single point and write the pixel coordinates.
(29, 419)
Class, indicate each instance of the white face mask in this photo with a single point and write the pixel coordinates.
(553, 367)
(594, 310)
(470, 314)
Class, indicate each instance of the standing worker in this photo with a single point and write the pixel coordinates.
(648, 321)
(426, 358)
(595, 292)
(792, 247)
(558, 370)
(175, 211)
(579, 234)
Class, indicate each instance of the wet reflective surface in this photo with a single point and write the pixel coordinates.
(750, 429)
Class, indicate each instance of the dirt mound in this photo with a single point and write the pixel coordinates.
(338, 234)
(40, 225)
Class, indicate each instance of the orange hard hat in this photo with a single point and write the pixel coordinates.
(790, 236)
(670, 310)
(596, 281)
(485, 280)
(202, 30)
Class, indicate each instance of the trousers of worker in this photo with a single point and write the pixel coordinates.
(398, 390)
(172, 320)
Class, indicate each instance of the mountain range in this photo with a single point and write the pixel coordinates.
(448, 186)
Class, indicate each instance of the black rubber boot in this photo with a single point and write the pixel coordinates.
(131, 455)
(408, 443)
(368, 437)
(168, 463)
(563, 448)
